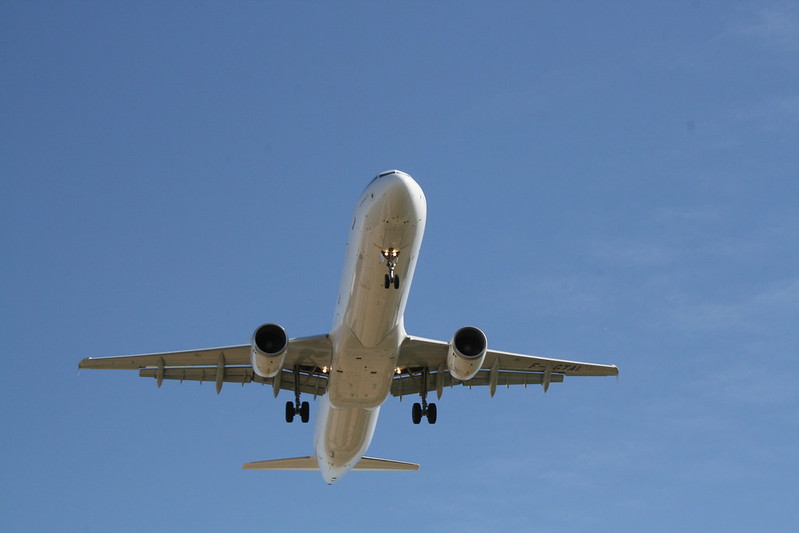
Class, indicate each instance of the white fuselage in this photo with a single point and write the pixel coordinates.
(368, 327)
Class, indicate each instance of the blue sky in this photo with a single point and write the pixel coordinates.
(610, 182)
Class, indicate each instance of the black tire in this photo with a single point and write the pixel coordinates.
(305, 412)
(388, 282)
(396, 281)
(432, 413)
(416, 413)
(290, 412)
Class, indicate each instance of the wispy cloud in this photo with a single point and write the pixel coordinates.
(633, 254)
(690, 213)
(746, 313)
(564, 294)
(770, 113)
(775, 26)
(753, 380)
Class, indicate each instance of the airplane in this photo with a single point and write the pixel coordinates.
(367, 355)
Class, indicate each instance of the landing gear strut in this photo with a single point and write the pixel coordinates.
(297, 407)
(392, 278)
(424, 409)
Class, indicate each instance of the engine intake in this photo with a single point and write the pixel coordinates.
(269, 343)
(467, 351)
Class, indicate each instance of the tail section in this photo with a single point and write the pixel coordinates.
(310, 463)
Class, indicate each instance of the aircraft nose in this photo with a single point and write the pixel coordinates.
(390, 173)
(398, 184)
(395, 177)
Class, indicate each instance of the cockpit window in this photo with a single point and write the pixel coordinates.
(386, 173)
(381, 175)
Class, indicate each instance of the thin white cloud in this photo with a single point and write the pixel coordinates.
(563, 294)
(771, 113)
(775, 27)
(776, 106)
(748, 313)
(752, 379)
(689, 213)
(633, 254)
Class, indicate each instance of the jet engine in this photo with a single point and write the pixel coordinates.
(269, 343)
(467, 351)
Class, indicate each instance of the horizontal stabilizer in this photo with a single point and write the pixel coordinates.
(373, 463)
(295, 463)
(310, 463)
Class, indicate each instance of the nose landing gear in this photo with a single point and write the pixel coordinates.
(392, 278)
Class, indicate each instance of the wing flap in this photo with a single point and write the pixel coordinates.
(237, 374)
(413, 384)
(310, 381)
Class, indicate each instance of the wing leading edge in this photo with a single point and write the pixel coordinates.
(306, 360)
(422, 365)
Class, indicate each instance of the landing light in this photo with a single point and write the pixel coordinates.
(398, 371)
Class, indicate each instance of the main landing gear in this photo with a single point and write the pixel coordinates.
(424, 409)
(297, 407)
(303, 409)
(392, 278)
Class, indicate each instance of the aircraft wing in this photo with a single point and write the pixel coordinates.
(499, 368)
(307, 356)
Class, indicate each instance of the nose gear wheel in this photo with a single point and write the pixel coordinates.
(392, 278)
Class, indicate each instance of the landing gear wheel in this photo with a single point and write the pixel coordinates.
(387, 283)
(396, 281)
(432, 413)
(290, 412)
(416, 413)
(305, 411)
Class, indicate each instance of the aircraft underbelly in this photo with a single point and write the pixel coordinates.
(390, 214)
(367, 335)
(373, 310)
(368, 325)
(349, 432)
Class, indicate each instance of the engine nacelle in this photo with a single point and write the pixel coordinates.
(467, 351)
(269, 343)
